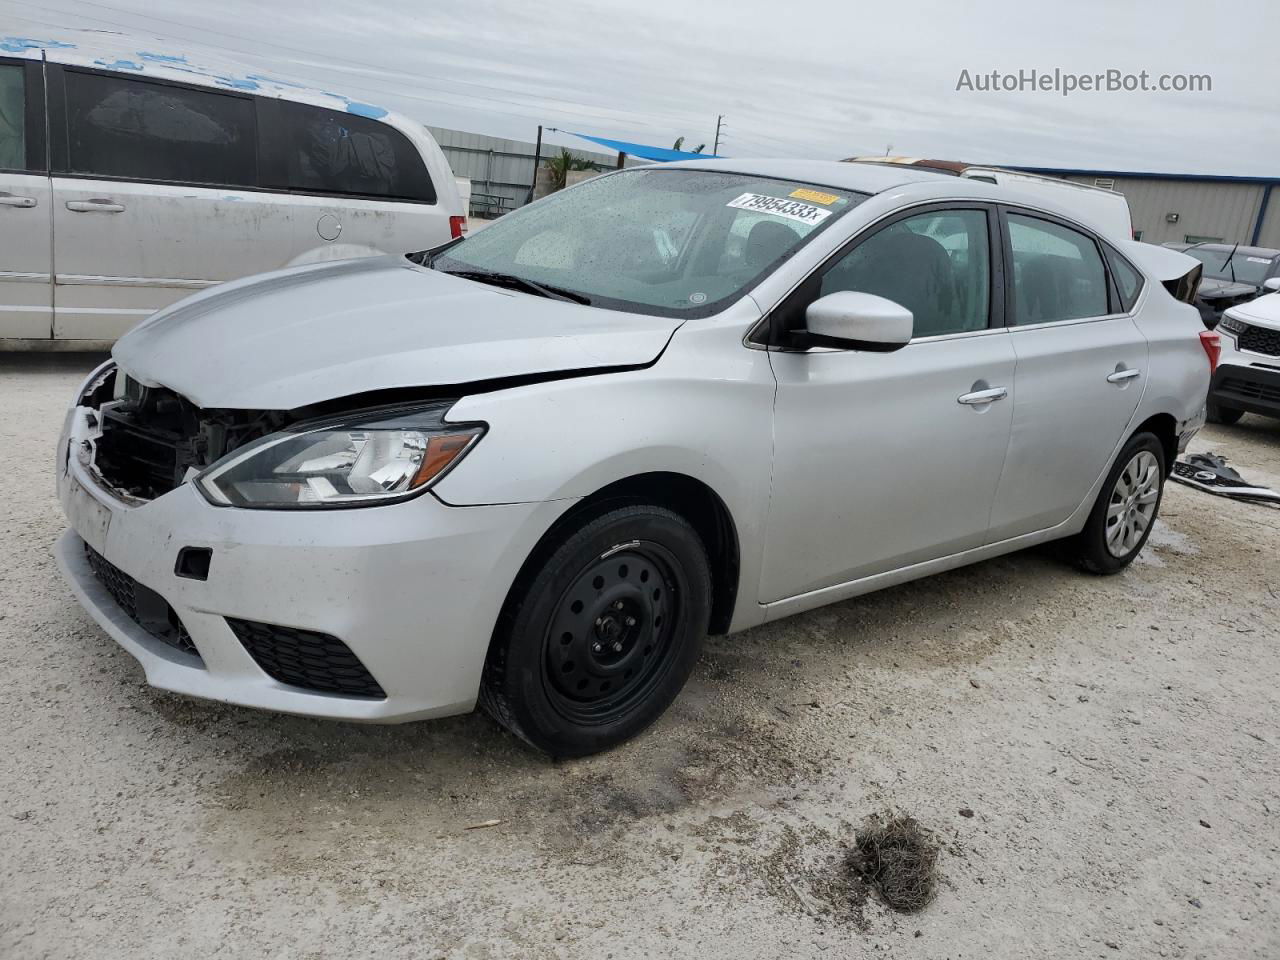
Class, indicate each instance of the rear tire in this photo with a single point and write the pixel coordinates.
(1224, 415)
(600, 632)
(1126, 509)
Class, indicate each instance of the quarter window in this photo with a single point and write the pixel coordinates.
(139, 130)
(937, 265)
(1128, 280)
(314, 150)
(13, 106)
(1057, 272)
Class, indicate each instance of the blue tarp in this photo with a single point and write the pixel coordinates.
(644, 152)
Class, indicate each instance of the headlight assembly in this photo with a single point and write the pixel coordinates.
(359, 460)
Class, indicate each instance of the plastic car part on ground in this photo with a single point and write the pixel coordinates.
(1210, 473)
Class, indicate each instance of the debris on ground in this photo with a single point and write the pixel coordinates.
(899, 858)
(1210, 473)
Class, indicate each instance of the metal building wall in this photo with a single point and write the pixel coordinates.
(1269, 236)
(497, 166)
(1204, 208)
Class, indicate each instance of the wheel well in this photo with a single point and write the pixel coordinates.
(1165, 427)
(697, 503)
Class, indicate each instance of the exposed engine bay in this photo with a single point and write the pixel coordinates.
(149, 438)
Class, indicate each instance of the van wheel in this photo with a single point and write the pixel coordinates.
(1225, 415)
(1126, 508)
(600, 632)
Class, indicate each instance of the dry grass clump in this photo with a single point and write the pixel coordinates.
(899, 858)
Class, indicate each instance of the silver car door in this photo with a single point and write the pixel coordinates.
(882, 460)
(26, 282)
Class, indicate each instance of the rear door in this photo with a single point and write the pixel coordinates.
(154, 196)
(356, 186)
(26, 283)
(1081, 366)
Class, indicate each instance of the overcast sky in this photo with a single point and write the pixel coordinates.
(801, 78)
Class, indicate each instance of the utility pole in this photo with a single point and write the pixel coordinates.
(537, 162)
(719, 121)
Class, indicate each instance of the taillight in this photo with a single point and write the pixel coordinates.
(457, 226)
(1212, 344)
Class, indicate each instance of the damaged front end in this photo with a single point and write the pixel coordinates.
(140, 442)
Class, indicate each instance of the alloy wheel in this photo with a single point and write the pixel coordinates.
(1132, 505)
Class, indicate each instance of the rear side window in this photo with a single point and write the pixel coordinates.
(122, 127)
(313, 150)
(1128, 279)
(13, 108)
(1057, 272)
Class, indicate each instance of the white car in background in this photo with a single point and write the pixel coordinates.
(133, 174)
(1248, 375)
(535, 466)
(1106, 210)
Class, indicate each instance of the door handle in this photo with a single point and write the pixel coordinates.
(12, 200)
(95, 205)
(1124, 376)
(989, 395)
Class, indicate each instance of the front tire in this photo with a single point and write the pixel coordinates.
(600, 632)
(1224, 415)
(1126, 508)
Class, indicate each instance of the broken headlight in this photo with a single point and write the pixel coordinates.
(377, 457)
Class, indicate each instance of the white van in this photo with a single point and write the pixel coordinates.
(132, 174)
(1105, 210)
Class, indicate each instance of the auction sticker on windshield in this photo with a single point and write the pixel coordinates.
(779, 207)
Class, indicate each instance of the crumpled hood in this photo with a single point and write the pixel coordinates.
(297, 337)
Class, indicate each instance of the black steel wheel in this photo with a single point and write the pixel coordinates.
(600, 632)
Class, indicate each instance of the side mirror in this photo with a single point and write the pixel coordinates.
(848, 320)
(1271, 285)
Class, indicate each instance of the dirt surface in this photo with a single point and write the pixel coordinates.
(1112, 744)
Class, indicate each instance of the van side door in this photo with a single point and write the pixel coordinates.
(26, 271)
(155, 196)
(356, 186)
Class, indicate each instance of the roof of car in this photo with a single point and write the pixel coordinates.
(139, 55)
(864, 178)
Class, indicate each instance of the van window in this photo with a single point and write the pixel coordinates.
(140, 130)
(1057, 272)
(313, 150)
(13, 107)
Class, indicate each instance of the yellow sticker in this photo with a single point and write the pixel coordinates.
(813, 196)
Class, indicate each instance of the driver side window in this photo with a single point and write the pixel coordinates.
(935, 264)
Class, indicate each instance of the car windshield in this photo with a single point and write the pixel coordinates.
(658, 241)
(1241, 269)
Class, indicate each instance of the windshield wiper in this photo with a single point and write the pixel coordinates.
(1230, 265)
(521, 283)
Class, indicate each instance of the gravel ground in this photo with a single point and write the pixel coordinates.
(1115, 739)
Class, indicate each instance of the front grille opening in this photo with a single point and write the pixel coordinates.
(152, 437)
(1260, 340)
(143, 605)
(306, 658)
